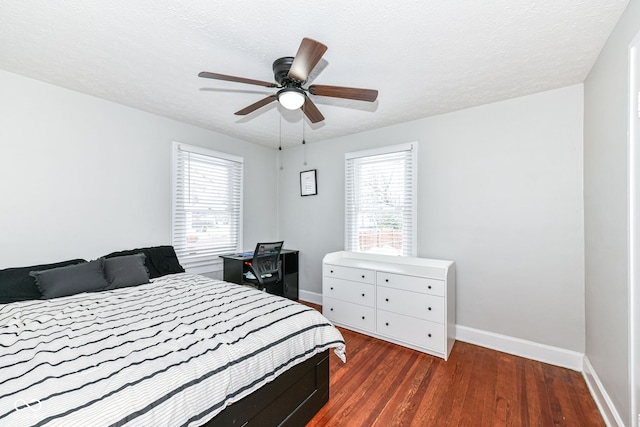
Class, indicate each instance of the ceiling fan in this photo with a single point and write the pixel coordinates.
(291, 74)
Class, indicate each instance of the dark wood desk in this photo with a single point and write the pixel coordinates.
(233, 269)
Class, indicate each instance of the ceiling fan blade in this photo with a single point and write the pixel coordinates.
(253, 107)
(309, 53)
(311, 111)
(217, 76)
(369, 95)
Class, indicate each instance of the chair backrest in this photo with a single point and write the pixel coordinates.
(266, 258)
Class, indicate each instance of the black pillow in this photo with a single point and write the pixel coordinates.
(17, 285)
(160, 260)
(71, 280)
(128, 270)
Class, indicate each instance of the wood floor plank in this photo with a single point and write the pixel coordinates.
(456, 390)
(392, 377)
(385, 385)
(484, 387)
(506, 411)
(540, 413)
(408, 393)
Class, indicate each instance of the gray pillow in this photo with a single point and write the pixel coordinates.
(71, 280)
(124, 271)
(160, 261)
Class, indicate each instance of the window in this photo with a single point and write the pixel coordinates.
(207, 205)
(380, 205)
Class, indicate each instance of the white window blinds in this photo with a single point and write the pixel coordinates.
(380, 200)
(207, 205)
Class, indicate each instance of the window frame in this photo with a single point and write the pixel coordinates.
(215, 263)
(412, 147)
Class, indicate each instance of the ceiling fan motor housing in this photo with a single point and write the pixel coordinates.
(281, 69)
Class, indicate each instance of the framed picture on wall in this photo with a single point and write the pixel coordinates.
(308, 184)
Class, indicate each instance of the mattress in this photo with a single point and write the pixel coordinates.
(175, 351)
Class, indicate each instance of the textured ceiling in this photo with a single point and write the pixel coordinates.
(424, 57)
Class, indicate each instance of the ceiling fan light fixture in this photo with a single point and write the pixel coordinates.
(291, 98)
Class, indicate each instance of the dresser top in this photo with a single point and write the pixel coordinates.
(392, 264)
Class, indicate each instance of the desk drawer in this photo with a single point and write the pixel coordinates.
(411, 330)
(411, 283)
(348, 273)
(349, 314)
(422, 306)
(346, 290)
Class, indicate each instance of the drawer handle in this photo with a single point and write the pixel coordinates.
(387, 323)
(429, 308)
(362, 294)
(331, 309)
(429, 335)
(363, 276)
(332, 288)
(429, 286)
(386, 280)
(386, 299)
(332, 271)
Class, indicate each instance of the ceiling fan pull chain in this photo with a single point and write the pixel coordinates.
(280, 139)
(304, 143)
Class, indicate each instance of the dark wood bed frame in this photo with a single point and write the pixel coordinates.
(292, 399)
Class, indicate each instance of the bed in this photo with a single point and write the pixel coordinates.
(179, 350)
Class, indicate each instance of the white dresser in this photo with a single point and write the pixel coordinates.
(407, 301)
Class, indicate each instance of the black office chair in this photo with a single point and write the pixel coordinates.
(265, 267)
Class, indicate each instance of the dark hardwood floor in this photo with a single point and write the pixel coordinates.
(384, 384)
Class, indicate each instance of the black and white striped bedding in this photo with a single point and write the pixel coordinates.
(172, 352)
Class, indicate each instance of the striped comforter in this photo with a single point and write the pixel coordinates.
(172, 352)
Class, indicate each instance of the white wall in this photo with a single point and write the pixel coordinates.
(500, 193)
(80, 176)
(606, 233)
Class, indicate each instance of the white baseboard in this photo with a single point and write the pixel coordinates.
(519, 347)
(312, 297)
(603, 401)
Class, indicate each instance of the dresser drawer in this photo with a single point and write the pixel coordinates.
(348, 273)
(411, 283)
(349, 314)
(411, 330)
(422, 306)
(346, 290)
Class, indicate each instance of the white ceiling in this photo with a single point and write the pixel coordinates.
(424, 57)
